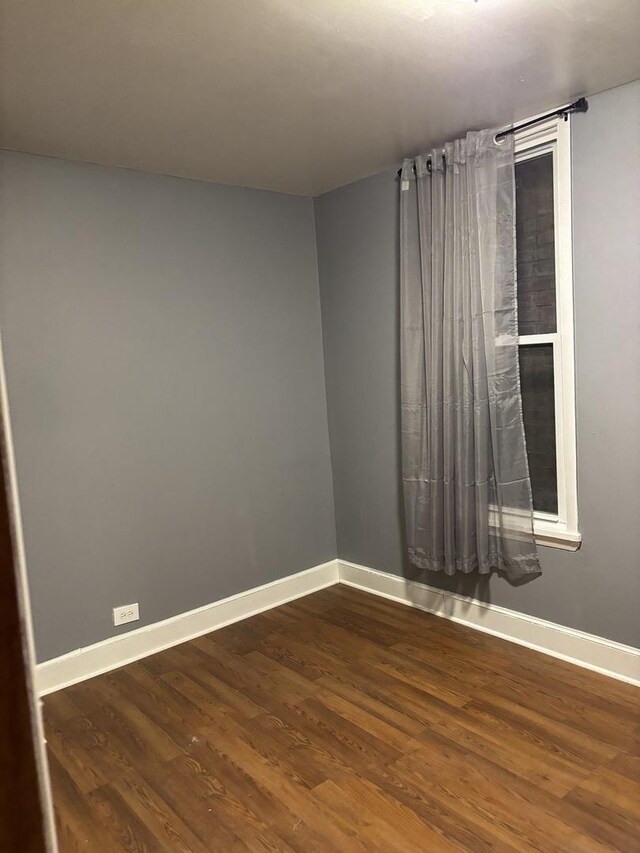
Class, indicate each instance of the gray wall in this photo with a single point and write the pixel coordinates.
(164, 360)
(596, 589)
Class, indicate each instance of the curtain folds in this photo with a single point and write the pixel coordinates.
(467, 493)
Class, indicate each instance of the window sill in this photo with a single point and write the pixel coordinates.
(556, 534)
(548, 530)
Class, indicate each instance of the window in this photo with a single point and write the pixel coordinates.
(545, 319)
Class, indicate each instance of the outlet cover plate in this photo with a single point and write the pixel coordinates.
(126, 613)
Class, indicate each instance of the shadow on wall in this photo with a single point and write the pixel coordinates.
(472, 585)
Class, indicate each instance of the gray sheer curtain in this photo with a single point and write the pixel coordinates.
(464, 460)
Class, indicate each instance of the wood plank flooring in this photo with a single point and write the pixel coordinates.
(345, 722)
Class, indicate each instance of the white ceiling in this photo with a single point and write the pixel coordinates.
(293, 95)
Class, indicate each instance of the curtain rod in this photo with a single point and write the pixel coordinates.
(579, 106)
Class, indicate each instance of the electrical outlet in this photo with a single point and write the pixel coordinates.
(126, 613)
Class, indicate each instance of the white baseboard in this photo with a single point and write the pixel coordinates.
(586, 650)
(117, 651)
(596, 653)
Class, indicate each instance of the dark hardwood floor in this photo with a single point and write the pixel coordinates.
(344, 722)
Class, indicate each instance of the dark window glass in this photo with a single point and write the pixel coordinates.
(535, 246)
(536, 377)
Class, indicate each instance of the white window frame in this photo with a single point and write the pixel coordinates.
(560, 530)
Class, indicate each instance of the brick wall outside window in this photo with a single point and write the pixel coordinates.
(537, 315)
(535, 242)
(536, 376)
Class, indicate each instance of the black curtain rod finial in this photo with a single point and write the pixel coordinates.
(579, 106)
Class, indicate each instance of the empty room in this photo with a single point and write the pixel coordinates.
(320, 426)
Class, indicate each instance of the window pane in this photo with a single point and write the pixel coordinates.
(535, 246)
(536, 377)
